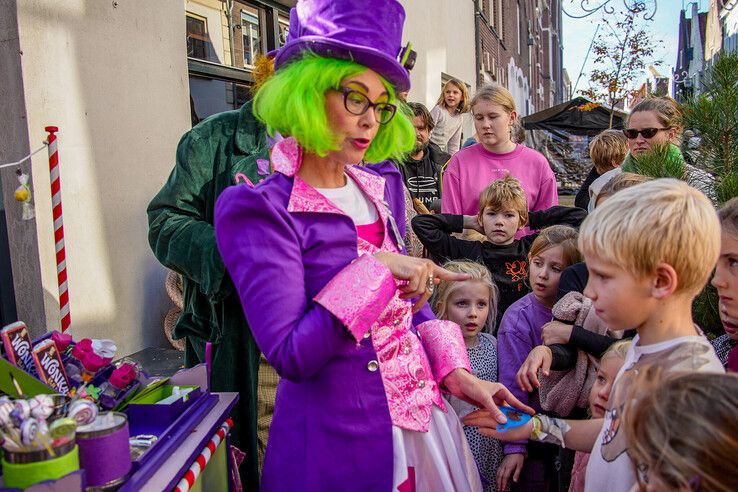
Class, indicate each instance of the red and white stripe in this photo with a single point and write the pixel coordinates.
(56, 210)
(198, 466)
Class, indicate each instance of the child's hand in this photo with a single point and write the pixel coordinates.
(511, 465)
(541, 358)
(556, 332)
(472, 222)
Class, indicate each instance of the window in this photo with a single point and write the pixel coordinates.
(496, 18)
(520, 40)
(491, 14)
(198, 41)
(213, 95)
(251, 35)
(284, 29)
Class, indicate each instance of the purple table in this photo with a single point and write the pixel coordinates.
(169, 471)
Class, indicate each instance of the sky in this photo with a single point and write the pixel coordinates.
(578, 33)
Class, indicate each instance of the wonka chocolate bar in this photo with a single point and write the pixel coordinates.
(18, 345)
(50, 368)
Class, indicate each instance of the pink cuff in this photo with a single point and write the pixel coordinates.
(359, 294)
(444, 344)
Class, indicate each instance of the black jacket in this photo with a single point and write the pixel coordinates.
(508, 264)
(582, 198)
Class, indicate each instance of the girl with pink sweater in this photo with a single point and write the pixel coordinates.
(473, 168)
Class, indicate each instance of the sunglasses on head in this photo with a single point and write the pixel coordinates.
(632, 133)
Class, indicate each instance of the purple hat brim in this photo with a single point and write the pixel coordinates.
(376, 60)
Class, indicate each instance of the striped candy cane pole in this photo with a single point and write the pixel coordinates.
(198, 466)
(56, 206)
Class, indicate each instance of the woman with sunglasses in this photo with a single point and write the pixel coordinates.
(316, 257)
(652, 122)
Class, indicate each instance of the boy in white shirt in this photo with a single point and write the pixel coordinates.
(649, 250)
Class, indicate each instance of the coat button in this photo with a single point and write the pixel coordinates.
(368, 334)
(373, 365)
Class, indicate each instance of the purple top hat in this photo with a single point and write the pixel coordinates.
(368, 32)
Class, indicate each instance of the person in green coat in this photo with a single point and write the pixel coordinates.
(223, 150)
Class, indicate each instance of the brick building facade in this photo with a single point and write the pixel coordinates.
(519, 46)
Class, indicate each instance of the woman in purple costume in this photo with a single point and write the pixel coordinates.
(316, 255)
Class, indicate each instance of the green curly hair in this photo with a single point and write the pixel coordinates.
(292, 102)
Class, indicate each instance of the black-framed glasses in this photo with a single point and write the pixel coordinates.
(632, 133)
(358, 103)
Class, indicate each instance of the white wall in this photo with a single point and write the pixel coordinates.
(517, 84)
(442, 32)
(696, 65)
(113, 77)
(730, 19)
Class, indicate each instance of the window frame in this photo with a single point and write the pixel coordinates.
(259, 30)
(204, 38)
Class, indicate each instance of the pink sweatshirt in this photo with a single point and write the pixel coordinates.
(473, 168)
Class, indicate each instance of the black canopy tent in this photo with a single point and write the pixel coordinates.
(562, 133)
(579, 116)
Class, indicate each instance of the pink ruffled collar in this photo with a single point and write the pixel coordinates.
(287, 158)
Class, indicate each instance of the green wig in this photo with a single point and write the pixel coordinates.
(292, 102)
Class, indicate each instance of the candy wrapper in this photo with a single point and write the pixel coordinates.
(62, 340)
(18, 345)
(23, 195)
(50, 368)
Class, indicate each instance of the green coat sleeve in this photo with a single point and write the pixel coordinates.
(181, 232)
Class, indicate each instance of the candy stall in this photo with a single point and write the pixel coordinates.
(74, 416)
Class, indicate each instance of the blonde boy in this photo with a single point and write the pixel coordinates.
(503, 211)
(607, 151)
(649, 251)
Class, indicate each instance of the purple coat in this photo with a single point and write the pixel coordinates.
(331, 428)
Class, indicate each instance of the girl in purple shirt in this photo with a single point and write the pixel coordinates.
(520, 330)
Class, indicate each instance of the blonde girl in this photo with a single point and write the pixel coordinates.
(610, 363)
(448, 116)
(472, 304)
(683, 431)
(473, 168)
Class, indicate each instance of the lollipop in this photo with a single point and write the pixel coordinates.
(6, 406)
(62, 430)
(29, 431)
(83, 412)
(42, 406)
(23, 407)
(21, 411)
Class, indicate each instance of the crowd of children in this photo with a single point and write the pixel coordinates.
(593, 329)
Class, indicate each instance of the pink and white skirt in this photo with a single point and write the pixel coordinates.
(437, 460)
